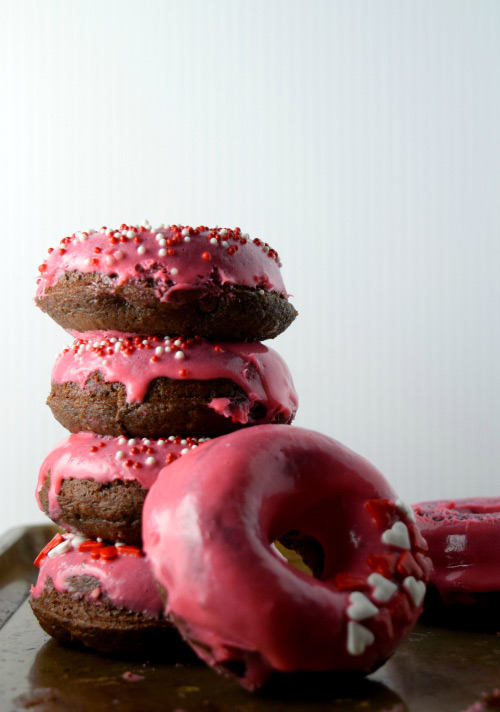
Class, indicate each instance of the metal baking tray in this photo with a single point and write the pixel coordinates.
(435, 670)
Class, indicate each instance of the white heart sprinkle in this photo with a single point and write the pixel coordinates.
(360, 607)
(415, 588)
(405, 509)
(358, 638)
(383, 589)
(397, 536)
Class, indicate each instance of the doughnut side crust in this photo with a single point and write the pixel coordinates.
(92, 302)
(110, 511)
(169, 405)
(71, 618)
(218, 516)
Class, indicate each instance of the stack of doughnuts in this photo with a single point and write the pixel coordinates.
(166, 354)
(271, 549)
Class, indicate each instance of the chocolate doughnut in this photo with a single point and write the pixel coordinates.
(95, 485)
(209, 524)
(103, 597)
(217, 283)
(114, 384)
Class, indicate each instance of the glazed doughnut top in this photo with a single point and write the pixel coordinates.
(177, 257)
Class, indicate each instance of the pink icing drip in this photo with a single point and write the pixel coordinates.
(73, 458)
(464, 544)
(127, 580)
(269, 383)
(198, 263)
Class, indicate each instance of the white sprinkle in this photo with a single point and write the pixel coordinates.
(145, 341)
(185, 232)
(397, 536)
(87, 261)
(261, 292)
(146, 441)
(117, 234)
(162, 252)
(174, 271)
(145, 223)
(119, 543)
(118, 255)
(105, 362)
(187, 239)
(245, 235)
(167, 227)
(177, 342)
(117, 347)
(77, 540)
(61, 548)
(168, 349)
(415, 588)
(215, 227)
(120, 455)
(360, 607)
(96, 344)
(162, 242)
(113, 339)
(172, 438)
(131, 441)
(405, 509)
(223, 232)
(224, 243)
(214, 241)
(150, 461)
(184, 442)
(130, 234)
(160, 443)
(141, 249)
(122, 441)
(159, 350)
(184, 451)
(160, 226)
(383, 589)
(110, 260)
(179, 355)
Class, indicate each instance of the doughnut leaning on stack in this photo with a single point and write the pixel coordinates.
(129, 381)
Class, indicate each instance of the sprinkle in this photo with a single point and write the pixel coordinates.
(206, 256)
(162, 252)
(179, 355)
(120, 455)
(61, 548)
(358, 638)
(214, 241)
(141, 249)
(185, 232)
(118, 255)
(159, 350)
(150, 461)
(174, 271)
(187, 239)
(184, 451)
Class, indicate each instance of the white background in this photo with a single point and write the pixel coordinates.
(360, 138)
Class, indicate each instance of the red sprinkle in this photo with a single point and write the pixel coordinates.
(129, 551)
(381, 510)
(206, 256)
(48, 547)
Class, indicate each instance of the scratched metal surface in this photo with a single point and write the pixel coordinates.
(435, 670)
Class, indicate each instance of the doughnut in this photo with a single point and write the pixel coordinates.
(95, 485)
(103, 597)
(464, 544)
(210, 523)
(217, 283)
(114, 384)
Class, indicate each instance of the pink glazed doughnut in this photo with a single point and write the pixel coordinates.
(209, 525)
(464, 544)
(173, 279)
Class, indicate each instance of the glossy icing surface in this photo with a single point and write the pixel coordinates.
(125, 580)
(136, 361)
(177, 257)
(87, 456)
(208, 528)
(464, 544)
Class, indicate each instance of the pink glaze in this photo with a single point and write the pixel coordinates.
(137, 361)
(178, 258)
(464, 544)
(87, 456)
(126, 581)
(208, 528)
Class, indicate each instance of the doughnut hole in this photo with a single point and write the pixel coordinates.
(303, 552)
